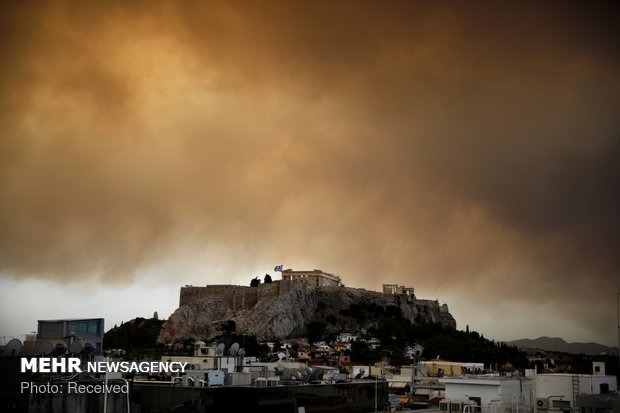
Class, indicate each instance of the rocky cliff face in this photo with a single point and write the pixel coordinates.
(287, 315)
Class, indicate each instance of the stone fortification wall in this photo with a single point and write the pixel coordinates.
(237, 297)
(268, 290)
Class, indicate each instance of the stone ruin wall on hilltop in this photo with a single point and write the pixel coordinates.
(239, 297)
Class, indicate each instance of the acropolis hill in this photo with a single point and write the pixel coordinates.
(283, 308)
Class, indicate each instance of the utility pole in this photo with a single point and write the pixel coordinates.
(618, 304)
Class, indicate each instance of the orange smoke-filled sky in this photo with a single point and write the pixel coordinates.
(470, 150)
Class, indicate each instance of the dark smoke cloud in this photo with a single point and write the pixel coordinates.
(468, 146)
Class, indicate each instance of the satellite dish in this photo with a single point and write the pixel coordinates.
(13, 347)
(89, 347)
(220, 349)
(59, 348)
(241, 352)
(76, 347)
(234, 349)
(45, 348)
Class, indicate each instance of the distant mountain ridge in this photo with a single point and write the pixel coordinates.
(559, 344)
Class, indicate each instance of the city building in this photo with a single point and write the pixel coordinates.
(560, 390)
(75, 335)
(346, 337)
(441, 368)
(485, 394)
(539, 393)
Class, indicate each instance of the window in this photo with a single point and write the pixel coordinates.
(81, 328)
(604, 388)
(478, 400)
(50, 329)
(93, 327)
